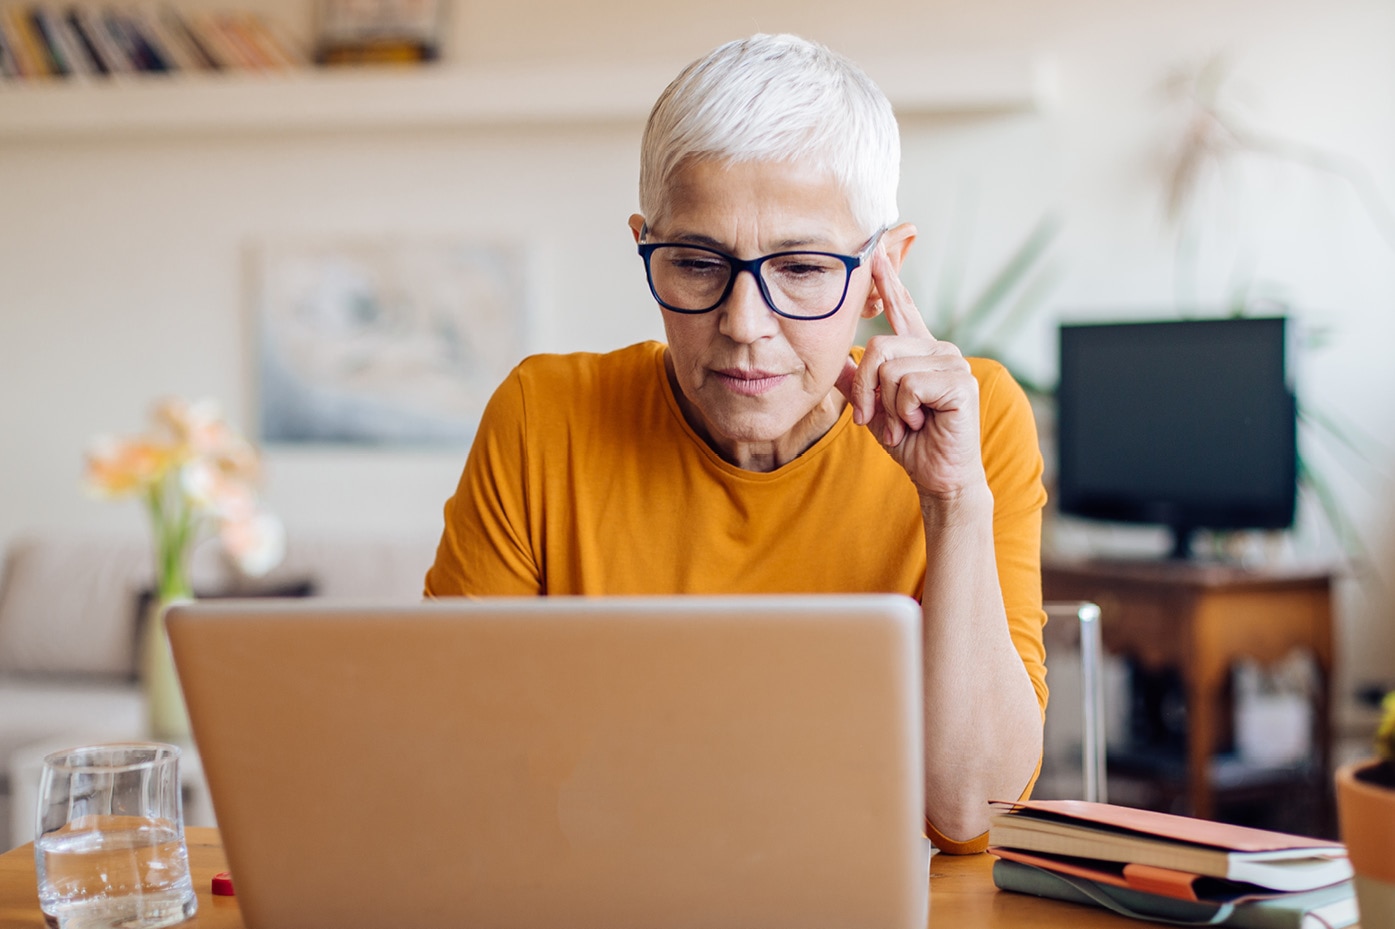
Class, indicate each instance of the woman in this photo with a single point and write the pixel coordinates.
(759, 450)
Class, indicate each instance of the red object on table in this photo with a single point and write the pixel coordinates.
(223, 885)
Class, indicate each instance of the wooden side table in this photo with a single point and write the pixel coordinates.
(1200, 619)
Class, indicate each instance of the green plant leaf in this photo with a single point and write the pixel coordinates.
(1029, 301)
(990, 300)
(1347, 435)
(1332, 511)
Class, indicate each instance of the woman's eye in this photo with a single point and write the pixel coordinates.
(802, 269)
(699, 265)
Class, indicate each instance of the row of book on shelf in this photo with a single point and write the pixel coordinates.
(80, 42)
(1172, 869)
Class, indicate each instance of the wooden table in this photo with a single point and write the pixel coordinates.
(961, 895)
(1201, 619)
(19, 895)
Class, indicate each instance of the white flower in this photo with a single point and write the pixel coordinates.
(196, 474)
(257, 542)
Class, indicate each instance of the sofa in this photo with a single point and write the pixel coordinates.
(70, 619)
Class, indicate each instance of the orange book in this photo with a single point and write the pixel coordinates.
(1161, 882)
(292, 50)
(254, 31)
(208, 32)
(235, 31)
(30, 55)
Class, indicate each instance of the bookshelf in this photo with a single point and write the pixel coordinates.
(448, 96)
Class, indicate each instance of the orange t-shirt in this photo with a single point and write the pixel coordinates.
(584, 478)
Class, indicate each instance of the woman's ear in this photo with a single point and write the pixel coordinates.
(637, 226)
(896, 242)
(873, 306)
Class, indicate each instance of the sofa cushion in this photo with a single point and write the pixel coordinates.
(67, 604)
(58, 707)
(70, 602)
(380, 566)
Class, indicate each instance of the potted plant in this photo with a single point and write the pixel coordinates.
(1366, 809)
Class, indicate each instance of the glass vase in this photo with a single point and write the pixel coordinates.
(166, 716)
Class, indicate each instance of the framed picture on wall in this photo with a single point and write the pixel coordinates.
(383, 341)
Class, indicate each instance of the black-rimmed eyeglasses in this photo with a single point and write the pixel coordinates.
(796, 285)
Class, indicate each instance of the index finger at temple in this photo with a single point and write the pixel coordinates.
(897, 302)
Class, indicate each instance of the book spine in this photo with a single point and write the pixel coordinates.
(115, 25)
(166, 46)
(32, 60)
(151, 52)
(9, 67)
(209, 34)
(61, 34)
(80, 36)
(108, 52)
(58, 63)
(290, 49)
(1024, 878)
(246, 50)
(254, 30)
(178, 25)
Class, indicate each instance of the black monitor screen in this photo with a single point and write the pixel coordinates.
(1189, 424)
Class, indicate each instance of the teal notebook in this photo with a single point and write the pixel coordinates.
(1325, 908)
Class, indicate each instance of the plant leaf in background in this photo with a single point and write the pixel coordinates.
(1213, 139)
(1385, 734)
(1215, 133)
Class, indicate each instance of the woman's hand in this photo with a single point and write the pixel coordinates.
(917, 395)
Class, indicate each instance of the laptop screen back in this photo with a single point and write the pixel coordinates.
(564, 761)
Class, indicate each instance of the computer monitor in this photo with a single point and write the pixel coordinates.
(1189, 424)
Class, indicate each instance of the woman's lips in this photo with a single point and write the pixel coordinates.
(749, 383)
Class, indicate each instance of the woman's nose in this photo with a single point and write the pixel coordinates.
(745, 316)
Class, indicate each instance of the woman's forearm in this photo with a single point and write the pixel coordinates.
(983, 726)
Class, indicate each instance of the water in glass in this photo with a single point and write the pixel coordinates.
(110, 848)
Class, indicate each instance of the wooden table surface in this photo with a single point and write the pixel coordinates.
(961, 894)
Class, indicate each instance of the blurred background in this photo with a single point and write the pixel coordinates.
(1098, 160)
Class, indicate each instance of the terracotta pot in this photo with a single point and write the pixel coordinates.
(1367, 814)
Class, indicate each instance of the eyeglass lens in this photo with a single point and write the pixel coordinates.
(797, 283)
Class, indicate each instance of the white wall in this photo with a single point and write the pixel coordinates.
(122, 275)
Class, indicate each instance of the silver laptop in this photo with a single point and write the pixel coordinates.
(564, 762)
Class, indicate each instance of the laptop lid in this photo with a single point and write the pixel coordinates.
(627, 762)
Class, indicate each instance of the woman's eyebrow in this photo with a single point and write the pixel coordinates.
(693, 238)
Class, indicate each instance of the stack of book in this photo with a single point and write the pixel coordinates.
(1172, 869)
(78, 42)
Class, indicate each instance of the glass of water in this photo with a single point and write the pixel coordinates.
(109, 846)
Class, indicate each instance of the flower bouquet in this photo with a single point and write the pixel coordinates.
(197, 477)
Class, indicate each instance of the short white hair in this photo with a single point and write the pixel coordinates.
(777, 98)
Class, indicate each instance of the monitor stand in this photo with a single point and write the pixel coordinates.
(1181, 543)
